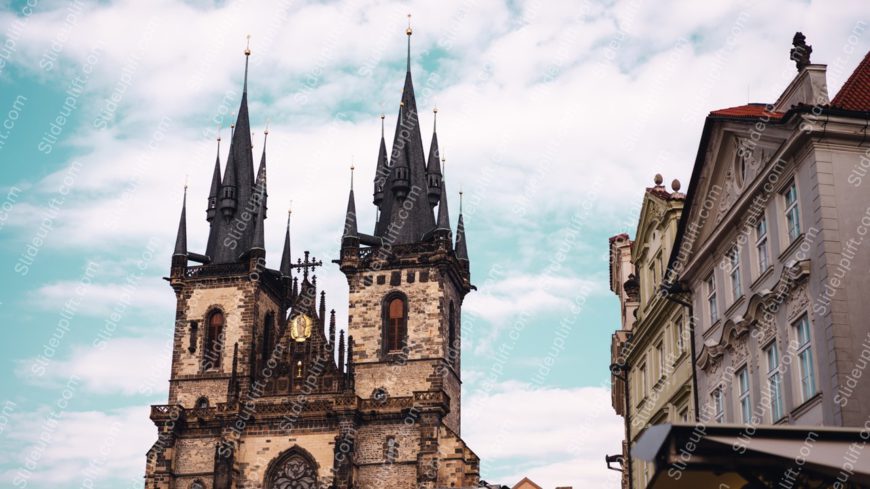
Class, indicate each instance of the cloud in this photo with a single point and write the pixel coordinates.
(119, 366)
(105, 299)
(80, 447)
(555, 436)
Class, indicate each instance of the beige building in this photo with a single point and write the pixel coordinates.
(772, 253)
(652, 347)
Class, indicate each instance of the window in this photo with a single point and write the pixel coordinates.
(711, 298)
(660, 354)
(734, 273)
(684, 414)
(452, 347)
(792, 215)
(202, 403)
(718, 399)
(194, 332)
(774, 382)
(391, 449)
(642, 382)
(267, 346)
(396, 323)
(805, 358)
(679, 336)
(214, 341)
(744, 395)
(761, 244)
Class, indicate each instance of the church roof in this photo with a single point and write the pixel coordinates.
(748, 111)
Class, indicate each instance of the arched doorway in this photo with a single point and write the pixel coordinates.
(294, 469)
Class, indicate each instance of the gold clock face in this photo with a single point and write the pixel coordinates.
(300, 327)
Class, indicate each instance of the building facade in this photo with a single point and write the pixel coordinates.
(263, 395)
(771, 252)
(651, 349)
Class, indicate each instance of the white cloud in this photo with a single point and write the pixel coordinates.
(119, 366)
(81, 447)
(559, 436)
(138, 293)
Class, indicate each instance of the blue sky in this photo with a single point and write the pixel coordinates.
(553, 119)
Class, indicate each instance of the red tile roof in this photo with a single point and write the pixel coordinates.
(855, 94)
(749, 111)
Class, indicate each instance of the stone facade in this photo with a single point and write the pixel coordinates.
(651, 349)
(771, 254)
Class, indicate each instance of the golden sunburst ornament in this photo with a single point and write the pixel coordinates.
(300, 327)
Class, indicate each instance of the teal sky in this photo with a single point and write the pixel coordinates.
(553, 120)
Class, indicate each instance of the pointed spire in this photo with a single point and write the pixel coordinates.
(381, 169)
(350, 227)
(341, 351)
(322, 310)
(443, 213)
(332, 329)
(433, 167)
(460, 247)
(286, 260)
(259, 241)
(181, 237)
(215, 183)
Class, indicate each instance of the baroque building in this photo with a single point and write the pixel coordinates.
(262, 394)
(771, 254)
(651, 380)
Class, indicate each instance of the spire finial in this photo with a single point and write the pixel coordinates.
(435, 118)
(186, 178)
(443, 163)
(247, 56)
(352, 168)
(460, 199)
(409, 31)
(382, 124)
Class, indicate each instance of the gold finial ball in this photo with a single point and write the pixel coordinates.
(435, 109)
(675, 185)
(383, 116)
(248, 46)
(409, 31)
(658, 179)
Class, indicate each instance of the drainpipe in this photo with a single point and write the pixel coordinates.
(669, 290)
(623, 368)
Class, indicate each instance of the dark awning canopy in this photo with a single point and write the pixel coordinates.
(750, 457)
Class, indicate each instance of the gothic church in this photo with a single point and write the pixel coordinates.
(263, 395)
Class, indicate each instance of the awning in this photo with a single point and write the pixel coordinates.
(738, 456)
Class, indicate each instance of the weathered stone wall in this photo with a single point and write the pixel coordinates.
(194, 455)
(256, 452)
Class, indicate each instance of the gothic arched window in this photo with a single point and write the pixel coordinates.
(452, 347)
(396, 322)
(197, 484)
(267, 346)
(293, 470)
(202, 403)
(214, 340)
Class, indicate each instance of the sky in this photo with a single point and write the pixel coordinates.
(553, 118)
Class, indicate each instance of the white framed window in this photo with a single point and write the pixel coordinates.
(744, 395)
(761, 244)
(712, 307)
(792, 214)
(679, 338)
(642, 381)
(718, 399)
(734, 273)
(684, 414)
(774, 382)
(660, 354)
(805, 358)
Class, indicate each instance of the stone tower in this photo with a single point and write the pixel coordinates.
(263, 395)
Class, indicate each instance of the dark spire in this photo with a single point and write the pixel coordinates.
(261, 171)
(181, 237)
(406, 184)
(460, 247)
(259, 241)
(286, 260)
(341, 351)
(350, 227)
(332, 329)
(322, 311)
(443, 225)
(215, 184)
(381, 169)
(433, 167)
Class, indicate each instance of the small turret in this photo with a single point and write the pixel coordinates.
(211, 210)
(381, 170)
(286, 260)
(179, 256)
(433, 166)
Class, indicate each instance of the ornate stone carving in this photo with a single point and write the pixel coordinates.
(294, 472)
(798, 302)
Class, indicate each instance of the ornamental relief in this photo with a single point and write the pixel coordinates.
(739, 350)
(294, 472)
(798, 301)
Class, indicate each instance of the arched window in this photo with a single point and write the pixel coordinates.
(396, 319)
(295, 469)
(202, 403)
(452, 347)
(214, 341)
(267, 346)
(197, 484)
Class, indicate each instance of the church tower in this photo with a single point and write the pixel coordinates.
(407, 282)
(262, 393)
